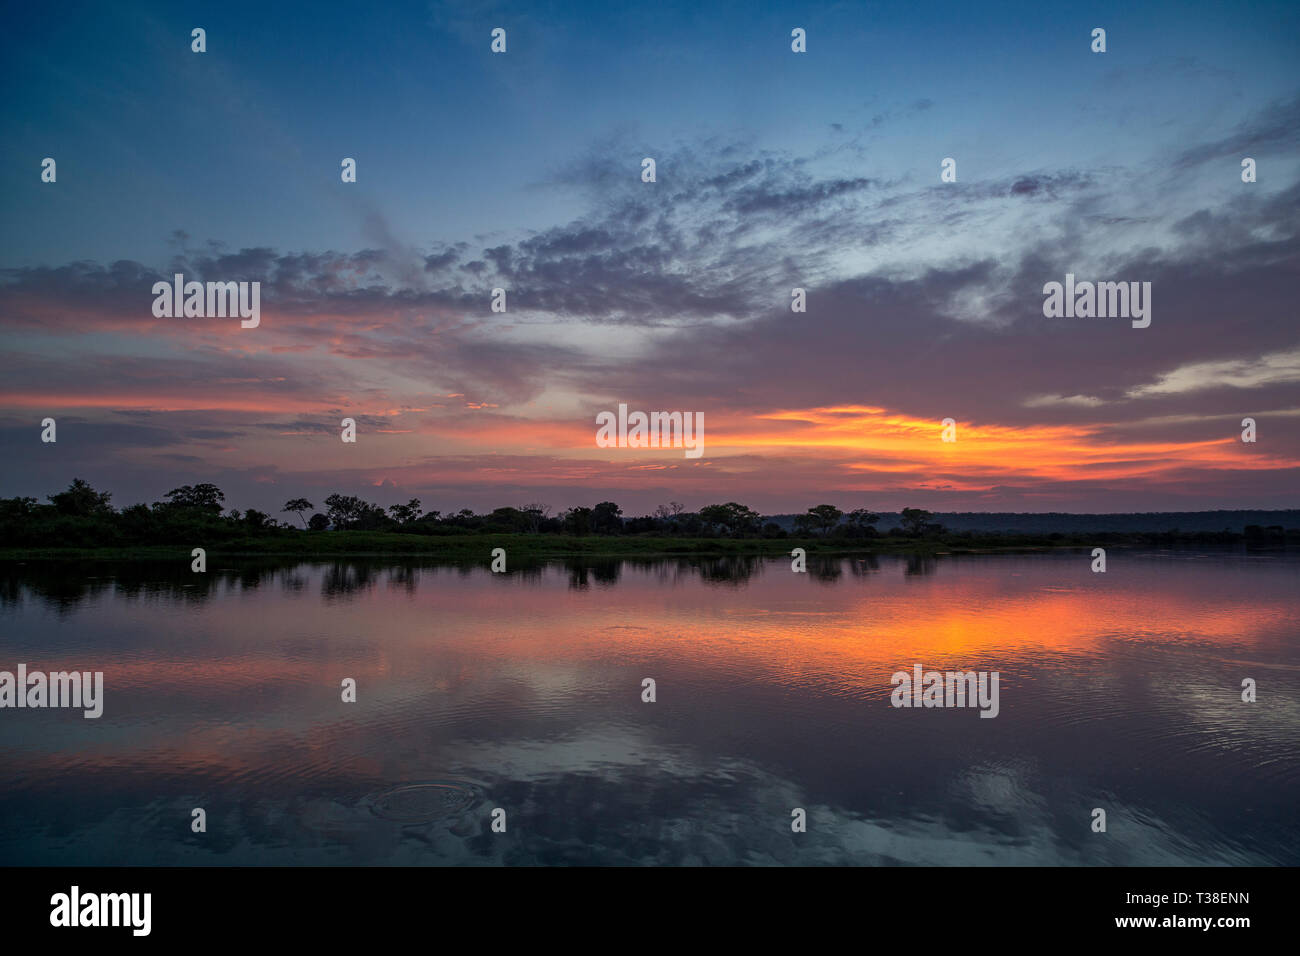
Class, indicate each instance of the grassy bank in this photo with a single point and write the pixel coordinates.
(479, 546)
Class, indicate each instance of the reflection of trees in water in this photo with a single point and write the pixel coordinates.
(825, 570)
(532, 571)
(346, 578)
(829, 570)
(861, 567)
(921, 564)
(290, 580)
(60, 585)
(64, 585)
(666, 571)
(583, 571)
(734, 570)
(11, 589)
(251, 579)
(656, 568)
(578, 578)
(403, 577)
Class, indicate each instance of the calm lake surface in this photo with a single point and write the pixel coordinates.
(523, 691)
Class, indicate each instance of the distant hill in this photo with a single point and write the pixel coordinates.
(1065, 523)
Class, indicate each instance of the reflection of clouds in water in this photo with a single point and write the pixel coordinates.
(609, 753)
(1125, 696)
(997, 790)
(740, 814)
(615, 797)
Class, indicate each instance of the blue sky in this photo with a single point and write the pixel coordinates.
(242, 144)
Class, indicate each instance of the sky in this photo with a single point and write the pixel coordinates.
(775, 170)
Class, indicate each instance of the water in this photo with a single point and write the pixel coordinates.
(522, 691)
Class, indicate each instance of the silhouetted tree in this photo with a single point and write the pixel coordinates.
(535, 512)
(345, 510)
(81, 500)
(14, 508)
(917, 521)
(861, 518)
(606, 518)
(713, 517)
(508, 519)
(371, 517)
(735, 518)
(577, 521)
(824, 518)
(860, 523)
(204, 497)
(407, 513)
(299, 505)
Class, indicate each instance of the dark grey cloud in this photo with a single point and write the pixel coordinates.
(1273, 132)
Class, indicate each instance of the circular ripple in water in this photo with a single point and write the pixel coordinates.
(423, 802)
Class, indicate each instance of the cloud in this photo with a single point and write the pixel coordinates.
(923, 301)
(1276, 368)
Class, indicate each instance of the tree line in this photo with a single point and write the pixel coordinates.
(80, 516)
